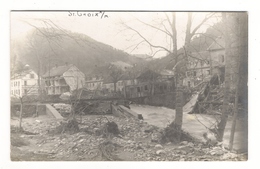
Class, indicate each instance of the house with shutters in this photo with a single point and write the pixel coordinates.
(64, 78)
(24, 83)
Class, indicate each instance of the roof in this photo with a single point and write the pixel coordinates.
(165, 72)
(148, 74)
(109, 79)
(22, 73)
(219, 43)
(203, 55)
(57, 71)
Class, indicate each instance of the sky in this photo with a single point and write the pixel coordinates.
(107, 27)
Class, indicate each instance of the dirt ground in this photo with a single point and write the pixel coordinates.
(138, 141)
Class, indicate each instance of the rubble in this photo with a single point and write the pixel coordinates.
(133, 143)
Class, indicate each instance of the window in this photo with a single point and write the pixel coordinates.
(138, 89)
(47, 83)
(208, 72)
(25, 83)
(25, 91)
(19, 92)
(188, 83)
(32, 76)
(145, 87)
(165, 87)
(18, 83)
(221, 58)
(194, 73)
(188, 74)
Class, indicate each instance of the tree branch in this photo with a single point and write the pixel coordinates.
(147, 41)
(154, 27)
(203, 21)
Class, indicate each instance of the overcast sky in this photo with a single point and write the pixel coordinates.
(107, 28)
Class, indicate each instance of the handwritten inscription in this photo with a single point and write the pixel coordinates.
(100, 14)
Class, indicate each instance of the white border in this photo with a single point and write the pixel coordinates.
(183, 5)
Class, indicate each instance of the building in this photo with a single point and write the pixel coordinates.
(151, 83)
(217, 56)
(198, 68)
(94, 82)
(24, 83)
(61, 79)
(123, 81)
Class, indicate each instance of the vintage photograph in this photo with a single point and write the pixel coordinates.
(128, 86)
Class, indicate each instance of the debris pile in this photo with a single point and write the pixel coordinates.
(106, 138)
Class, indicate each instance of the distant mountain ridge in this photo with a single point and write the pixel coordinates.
(73, 48)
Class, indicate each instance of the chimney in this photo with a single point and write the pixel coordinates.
(56, 65)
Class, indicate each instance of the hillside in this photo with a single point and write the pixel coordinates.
(51, 47)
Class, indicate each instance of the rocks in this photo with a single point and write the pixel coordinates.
(135, 139)
(217, 151)
(159, 152)
(158, 146)
(229, 156)
(184, 143)
(149, 129)
(190, 144)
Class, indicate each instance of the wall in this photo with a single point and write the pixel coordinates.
(28, 110)
(216, 57)
(74, 78)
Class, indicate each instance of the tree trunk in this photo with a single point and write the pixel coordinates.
(188, 35)
(21, 114)
(242, 53)
(178, 108)
(115, 87)
(228, 69)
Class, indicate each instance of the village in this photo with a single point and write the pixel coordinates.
(154, 110)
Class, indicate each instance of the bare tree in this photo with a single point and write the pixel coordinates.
(28, 96)
(167, 27)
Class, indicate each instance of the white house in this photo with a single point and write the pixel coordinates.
(24, 83)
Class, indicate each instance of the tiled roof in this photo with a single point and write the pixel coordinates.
(57, 71)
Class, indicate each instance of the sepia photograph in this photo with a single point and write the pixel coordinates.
(128, 85)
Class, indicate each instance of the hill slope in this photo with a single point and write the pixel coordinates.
(45, 48)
